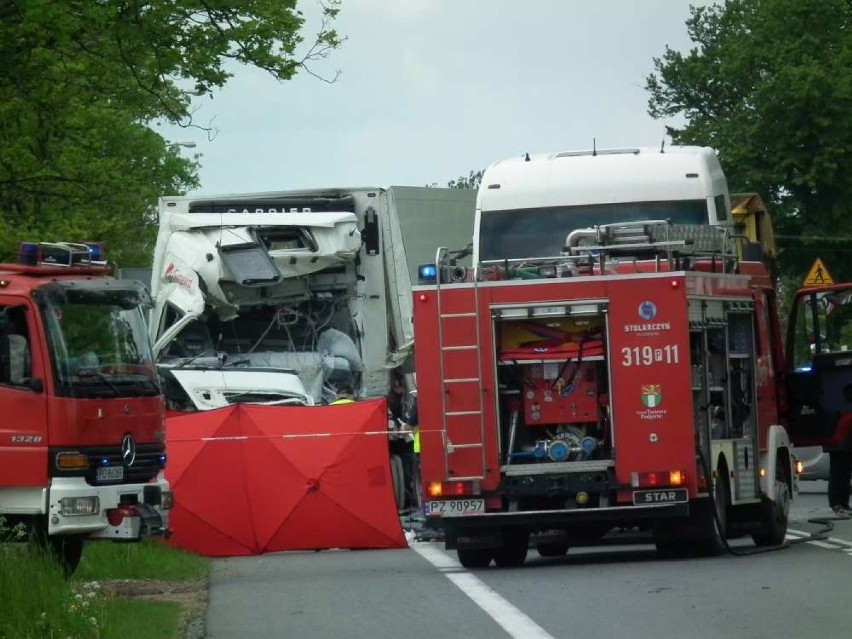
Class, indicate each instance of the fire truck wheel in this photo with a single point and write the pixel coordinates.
(709, 534)
(398, 480)
(718, 512)
(475, 557)
(417, 488)
(514, 551)
(670, 547)
(775, 521)
(67, 550)
(554, 549)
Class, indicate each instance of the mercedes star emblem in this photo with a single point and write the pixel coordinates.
(128, 450)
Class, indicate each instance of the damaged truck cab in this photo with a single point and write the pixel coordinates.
(283, 298)
(254, 299)
(280, 297)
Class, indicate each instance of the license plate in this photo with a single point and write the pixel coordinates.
(454, 507)
(110, 473)
(656, 497)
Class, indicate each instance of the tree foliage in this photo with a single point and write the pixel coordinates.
(768, 83)
(472, 181)
(81, 81)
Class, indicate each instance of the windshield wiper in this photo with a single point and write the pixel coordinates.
(237, 362)
(189, 360)
(147, 383)
(101, 377)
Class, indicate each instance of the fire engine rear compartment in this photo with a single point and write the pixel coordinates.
(572, 458)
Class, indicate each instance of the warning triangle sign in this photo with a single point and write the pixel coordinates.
(818, 275)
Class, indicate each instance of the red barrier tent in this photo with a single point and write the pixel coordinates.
(254, 479)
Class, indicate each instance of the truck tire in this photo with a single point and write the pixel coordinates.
(514, 551)
(417, 497)
(703, 536)
(398, 480)
(475, 557)
(714, 544)
(66, 550)
(776, 514)
(670, 547)
(712, 519)
(553, 549)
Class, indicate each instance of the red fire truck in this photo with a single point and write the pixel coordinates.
(629, 375)
(82, 440)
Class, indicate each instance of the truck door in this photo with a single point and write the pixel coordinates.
(179, 302)
(23, 420)
(819, 366)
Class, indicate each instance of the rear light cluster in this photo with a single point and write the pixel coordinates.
(662, 478)
(449, 488)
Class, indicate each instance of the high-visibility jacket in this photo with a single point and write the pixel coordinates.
(417, 440)
(342, 400)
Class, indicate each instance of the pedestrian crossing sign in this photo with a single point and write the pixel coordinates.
(818, 275)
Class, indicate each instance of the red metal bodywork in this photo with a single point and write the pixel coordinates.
(31, 423)
(647, 437)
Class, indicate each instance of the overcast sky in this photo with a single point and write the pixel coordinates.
(432, 89)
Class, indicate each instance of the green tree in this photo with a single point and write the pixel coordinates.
(472, 181)
(768, 83)
(81, 83)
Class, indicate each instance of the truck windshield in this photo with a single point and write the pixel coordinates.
(541, 232)
(98, 342)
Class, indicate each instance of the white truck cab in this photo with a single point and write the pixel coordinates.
(278, 297)
(683, 184)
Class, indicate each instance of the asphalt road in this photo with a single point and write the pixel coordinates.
(619, 591)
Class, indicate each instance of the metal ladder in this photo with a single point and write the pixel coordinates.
(460, 382)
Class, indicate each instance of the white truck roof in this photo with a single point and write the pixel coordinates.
(604, 176)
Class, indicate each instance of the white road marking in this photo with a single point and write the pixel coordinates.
(842, 542)
(510, 618)
(823, 544)
(830, 543)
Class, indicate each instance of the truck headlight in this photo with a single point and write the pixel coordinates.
(79, 506)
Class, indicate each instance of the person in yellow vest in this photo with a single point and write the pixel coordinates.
(412, 423)
(345, 395)
(415, 424)
(413, 420)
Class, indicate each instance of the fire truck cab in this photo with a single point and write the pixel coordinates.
(609, 362)
(82, 439)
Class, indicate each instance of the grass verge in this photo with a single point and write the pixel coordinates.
(39, 603)
(146, 560)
